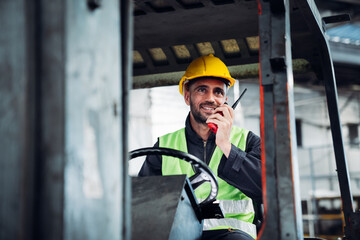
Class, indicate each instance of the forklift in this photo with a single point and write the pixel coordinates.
(67, 70)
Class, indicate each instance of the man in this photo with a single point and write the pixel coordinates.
(232, 153)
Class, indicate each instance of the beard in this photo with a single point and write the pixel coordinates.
(197, 116)
(195, 111)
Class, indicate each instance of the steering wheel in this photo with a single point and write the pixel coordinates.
(202, 172)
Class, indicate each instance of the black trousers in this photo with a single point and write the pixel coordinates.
(225, 234)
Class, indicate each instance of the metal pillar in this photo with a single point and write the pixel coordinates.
(93, 121)
(281, 191)
(62, 120)
(126, 43)
(338, 144)
(326, 74)
(16, 122)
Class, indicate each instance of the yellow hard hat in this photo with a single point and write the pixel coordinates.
(206, 66)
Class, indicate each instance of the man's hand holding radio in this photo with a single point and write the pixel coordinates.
(223, 119)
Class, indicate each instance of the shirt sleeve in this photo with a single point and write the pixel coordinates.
(242, 169)
(152, 164)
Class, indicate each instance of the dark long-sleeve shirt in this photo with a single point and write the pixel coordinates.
(242, 169)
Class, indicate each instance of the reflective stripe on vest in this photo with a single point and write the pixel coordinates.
(222, 223)
(238, 209)
(235, 206)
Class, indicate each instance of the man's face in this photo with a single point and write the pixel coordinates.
(203, 96)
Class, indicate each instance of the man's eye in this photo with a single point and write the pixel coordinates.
(201, 90)
(219, 92)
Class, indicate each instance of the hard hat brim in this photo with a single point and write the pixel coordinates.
(183, 79)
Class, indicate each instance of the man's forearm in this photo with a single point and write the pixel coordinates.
(243, 171)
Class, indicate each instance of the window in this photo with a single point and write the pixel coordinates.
(353, 134)
(298, 126)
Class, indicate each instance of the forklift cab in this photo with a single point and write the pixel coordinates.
(280, 42)
(67, 70)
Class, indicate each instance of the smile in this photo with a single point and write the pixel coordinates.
(208, 109)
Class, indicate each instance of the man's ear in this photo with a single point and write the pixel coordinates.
(187, 97)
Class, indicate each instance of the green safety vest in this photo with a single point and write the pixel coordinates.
(238, 208)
